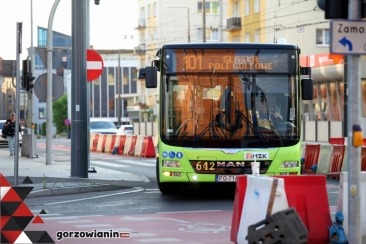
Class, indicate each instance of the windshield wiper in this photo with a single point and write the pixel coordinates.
(255, 129)
(216, 120)
(263, 136)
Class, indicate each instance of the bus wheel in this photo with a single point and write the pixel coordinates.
(165, 188)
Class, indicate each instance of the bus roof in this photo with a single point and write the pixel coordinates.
(231, 45)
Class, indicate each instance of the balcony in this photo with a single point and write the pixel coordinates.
(141, 23)
(140, 49)
(233, 23)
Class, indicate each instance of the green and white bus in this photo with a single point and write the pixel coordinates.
(225, 105)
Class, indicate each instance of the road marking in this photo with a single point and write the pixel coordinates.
(96, 226)
(160, 240)
(103, 163)
(47, 217)
(136, 189)
(147, 218)
(192, 211)
(76, 221)
(134, 162)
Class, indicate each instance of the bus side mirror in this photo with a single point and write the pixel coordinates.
(151, 77)
(142, 72)
(307, 89)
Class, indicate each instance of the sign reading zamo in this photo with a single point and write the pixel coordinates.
(348, 37)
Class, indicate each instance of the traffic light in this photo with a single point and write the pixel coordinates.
(27, 77)
(338, 9)
(334, 9)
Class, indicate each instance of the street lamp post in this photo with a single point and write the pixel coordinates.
(119, 85)
(189, 26)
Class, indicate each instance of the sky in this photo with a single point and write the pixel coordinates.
(112, 23)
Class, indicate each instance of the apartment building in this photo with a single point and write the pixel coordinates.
(299, 22)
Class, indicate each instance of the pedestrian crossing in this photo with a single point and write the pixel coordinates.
(109, 161)
(123, 163)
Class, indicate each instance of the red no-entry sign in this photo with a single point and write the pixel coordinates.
(94, 65)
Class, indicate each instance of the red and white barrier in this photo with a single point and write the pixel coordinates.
(94, 142)
(264, 196)
(148, 148)
(101, 142)
(131, 145)
(109, 144)
(138, 146)
(305, 193)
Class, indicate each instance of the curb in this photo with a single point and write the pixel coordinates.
(73, 190)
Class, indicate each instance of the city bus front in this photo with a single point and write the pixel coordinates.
(223, 108)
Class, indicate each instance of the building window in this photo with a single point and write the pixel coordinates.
(155, 10)
(148, 11)
(199, 33)
(322, 37)
(256, 6)
(42, 113)
(256, 36)
(246, 7)
(236, 39)
(214, 34)
(236, 12)
(246, 37)
(211, 7)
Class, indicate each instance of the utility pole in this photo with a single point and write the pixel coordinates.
(80, 155)
(204, 21)
(118, 87)
(188, 18)
(354, 151)
(17, 91)
(49, 84)
(31, 97)
(189, 25)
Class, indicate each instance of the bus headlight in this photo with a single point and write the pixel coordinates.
(171, 163)
(290, 164)
(176, 174)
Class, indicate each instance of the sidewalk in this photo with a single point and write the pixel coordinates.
(56, 178)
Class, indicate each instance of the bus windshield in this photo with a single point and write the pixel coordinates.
(217, 99)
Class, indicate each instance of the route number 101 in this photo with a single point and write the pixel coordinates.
(193, 62)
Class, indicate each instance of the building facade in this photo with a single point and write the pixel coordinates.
(267, 21)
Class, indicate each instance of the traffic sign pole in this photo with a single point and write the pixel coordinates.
(80, 155)
(353, 117)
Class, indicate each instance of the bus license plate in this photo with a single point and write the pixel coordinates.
(226, 178)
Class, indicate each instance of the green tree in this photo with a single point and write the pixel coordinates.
(60, 114)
